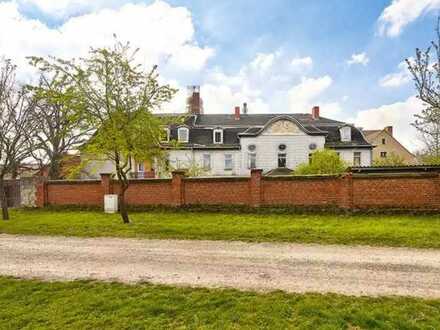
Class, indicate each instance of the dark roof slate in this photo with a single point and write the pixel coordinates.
(201, 129)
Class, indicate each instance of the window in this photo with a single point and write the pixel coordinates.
(228, 162)
(383, 141)
(165, 137)
(383, 154)
(252, 160)
(345, 133)
(218, 136)
(206, 162)
(357, 159)
(183, 134)
(282, 158)
(140, 167)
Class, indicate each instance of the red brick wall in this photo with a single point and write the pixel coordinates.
(421, 191)
(411, 192)
(217, 191)
(320, 191)
(88, 193)
(147, 192)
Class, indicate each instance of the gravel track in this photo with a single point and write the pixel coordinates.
(372, 271)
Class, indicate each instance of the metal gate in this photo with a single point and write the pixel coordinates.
(12, 189)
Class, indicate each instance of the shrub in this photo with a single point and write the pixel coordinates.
(391, 160)
(322, 162)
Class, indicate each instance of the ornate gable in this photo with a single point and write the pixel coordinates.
(283, 127)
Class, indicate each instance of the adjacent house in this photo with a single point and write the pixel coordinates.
(232, 144)
(386, 145)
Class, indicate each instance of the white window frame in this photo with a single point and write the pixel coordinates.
(206, 162)
(355, 154)
(183, 129)
(167, 139)
(217, 130)
(252, 155)
(345, 133)
(229, 159)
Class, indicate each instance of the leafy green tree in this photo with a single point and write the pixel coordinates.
(118, 98)
(391, 160)
(322, 162)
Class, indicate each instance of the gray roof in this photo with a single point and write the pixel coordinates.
(201, 129)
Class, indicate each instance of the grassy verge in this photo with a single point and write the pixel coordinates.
(379, 230)
(92, 305)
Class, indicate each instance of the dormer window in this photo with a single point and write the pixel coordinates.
(218, 136)
(183, 134)
(345, 132)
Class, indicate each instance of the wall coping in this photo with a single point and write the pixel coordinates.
(217, 178)
(302, 177)
(373, 176)
(60, 182)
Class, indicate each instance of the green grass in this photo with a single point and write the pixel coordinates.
(93, 305)
(379, 230)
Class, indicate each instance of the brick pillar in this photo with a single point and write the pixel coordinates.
(346, 198)
(178, 188)
(41, 195)
(255, 187)
(106, 183)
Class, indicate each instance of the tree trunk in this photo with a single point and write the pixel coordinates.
(55, 168)
(122, 206)
(3, 200)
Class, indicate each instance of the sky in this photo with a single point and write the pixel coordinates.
(279, 56)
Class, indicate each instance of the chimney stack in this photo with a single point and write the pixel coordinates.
(194, 103)
(245, 108)
(389, 129)
(237, 113)
(315, 112)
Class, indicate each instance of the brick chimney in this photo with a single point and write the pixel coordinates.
(237, 113)
(315, 112)
(389, 130)
(194, 103)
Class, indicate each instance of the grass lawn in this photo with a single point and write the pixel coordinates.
(93, 305)
(379, 230)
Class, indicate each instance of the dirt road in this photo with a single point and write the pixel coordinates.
(254, 266)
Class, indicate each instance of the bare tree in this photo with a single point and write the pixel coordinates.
(425, 69)
(59, 125)
(15, 125)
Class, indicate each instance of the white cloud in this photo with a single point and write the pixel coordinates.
(397, 79)
(301, 63)
(402, 12)
(360, 58)
(164, 34)
(399, 115)
(303, 96)
(305, 92)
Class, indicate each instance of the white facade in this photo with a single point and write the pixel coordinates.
(280, 139)
(348, 155)
(297, 146)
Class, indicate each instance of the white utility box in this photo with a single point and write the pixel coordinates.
(110, 203)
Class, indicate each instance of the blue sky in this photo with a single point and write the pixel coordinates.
(279, 55)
